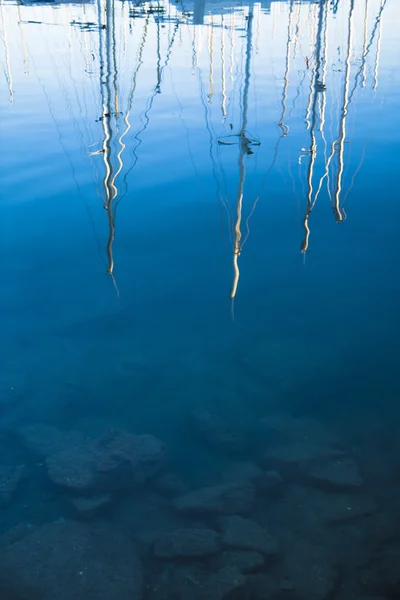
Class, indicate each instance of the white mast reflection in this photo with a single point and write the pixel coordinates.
(244, 149)
(7, 73)
(339, 215)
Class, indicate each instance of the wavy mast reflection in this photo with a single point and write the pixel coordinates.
(109, 102)
(113, 145)
(338, 144)
(222, 48)
(7, 68)
(316, 87)
(244, 146)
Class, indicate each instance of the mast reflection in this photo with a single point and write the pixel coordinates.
(216, 44)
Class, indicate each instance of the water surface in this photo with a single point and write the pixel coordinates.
(199, 212)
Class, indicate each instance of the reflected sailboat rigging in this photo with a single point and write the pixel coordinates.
(228, 77)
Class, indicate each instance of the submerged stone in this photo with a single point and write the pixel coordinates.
(246, 534)
(87, 508)
(244, 560)
(337, 474)
(187, 543)
(300, 454)
(169, 485)
(341, 507)
(242, 471)
(225, 498)
(218, 430)
(226, 584)
(263, 586)
(285, 428)
(117, 460)
(311, 571)
(266, 483)
(68, 560)
(45, 440)
(10, 478)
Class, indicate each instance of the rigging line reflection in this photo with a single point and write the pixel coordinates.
(313, 141)
(232, 43)
(378, 52)
(85, 41)
(158, 57)
(323, 106)
(364, 71)
(296, 30)
(194, 53)
(220, 199)
(276, 149)
(24, 53)
(130, 101)
(356, 172)
(223, 87)
(298, 90)
(186, 128)
(211, 52)
(157, 90)
(311, 89)
(66, 153)
(7, 70)
(281, 123)
(364, 58)
(113, 52)
(322, 85)
(66, 97)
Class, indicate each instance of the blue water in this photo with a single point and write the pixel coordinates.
(143, 155)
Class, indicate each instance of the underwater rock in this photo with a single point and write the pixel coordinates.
(177, 580)
(117, 460)
(180, 581)
(87, 508)
(312, 572)
(15, 534)
(263, 586)
(169, 485)
(187, 543)
(66, 560)
(298, 455)
(226, 584)
(246, 534)
(340, 508)
(265, 482)
(225, 498)
(285, 428)
(217, 431)
(382, 575)
(242, 471)
(10, 478)
(45, 440)
(336, 474)
(243, 560)
(270, 484)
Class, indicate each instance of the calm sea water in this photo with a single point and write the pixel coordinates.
(199, 212)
